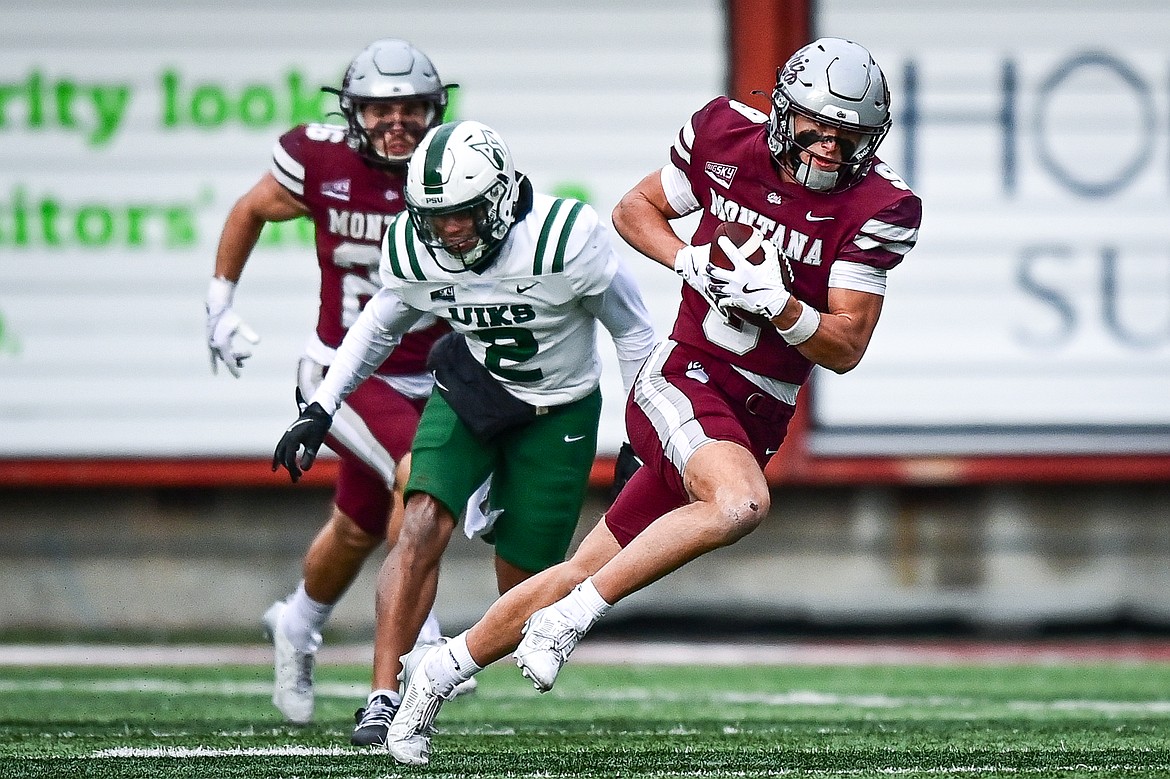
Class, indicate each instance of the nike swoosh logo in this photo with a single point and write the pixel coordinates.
(297, 424)
(754, 290)
(522, 288)
(571, 438)
(770, 452)
(809, 216)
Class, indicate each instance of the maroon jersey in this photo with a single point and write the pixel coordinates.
(351, 204)
(724, 154)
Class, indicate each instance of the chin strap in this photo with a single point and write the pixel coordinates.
(815, 178)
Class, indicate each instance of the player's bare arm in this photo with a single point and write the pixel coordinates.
(844, 332)
(642, 217)
(754, 276)
(267, 201)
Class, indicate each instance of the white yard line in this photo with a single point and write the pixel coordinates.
(284, 751)
(298, 751)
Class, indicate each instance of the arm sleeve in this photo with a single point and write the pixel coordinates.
(366, 346)
(287, 166)
(858, 276)
(622, 312)
(678, 191)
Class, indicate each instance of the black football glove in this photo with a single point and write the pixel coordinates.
(627, 463)
(309, 432)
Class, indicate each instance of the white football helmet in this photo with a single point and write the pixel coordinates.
(835, 82)
(462, 168)
(387, 70)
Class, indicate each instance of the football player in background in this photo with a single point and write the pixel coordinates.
(524, 279)
(349, 180)
(713, 402)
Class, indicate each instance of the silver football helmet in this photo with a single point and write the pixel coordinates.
(837, 83)
(387, 70)
(462, 168)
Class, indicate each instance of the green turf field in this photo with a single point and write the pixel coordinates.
(1092, 720)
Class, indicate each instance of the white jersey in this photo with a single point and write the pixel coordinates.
(530, 316)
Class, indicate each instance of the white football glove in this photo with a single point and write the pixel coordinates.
(223, 325)
(757, 289)
(692, 263)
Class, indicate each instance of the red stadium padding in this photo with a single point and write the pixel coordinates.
(186, 473)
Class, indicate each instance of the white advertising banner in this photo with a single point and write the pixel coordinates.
(1034, 316)
(127, 133)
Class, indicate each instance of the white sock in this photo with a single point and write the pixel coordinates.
(394, 696)
(303, 619)
(461, 656)
(583, 606)
(453, 665)
(431, 633)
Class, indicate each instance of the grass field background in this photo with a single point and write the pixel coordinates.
(1043, 716)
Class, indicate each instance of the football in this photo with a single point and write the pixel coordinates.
(749, 240)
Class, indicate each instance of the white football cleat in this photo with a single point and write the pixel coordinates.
(409, 737)
(549, 639)
(292, 692)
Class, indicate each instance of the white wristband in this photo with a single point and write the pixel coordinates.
(806, 324)
(220, 293)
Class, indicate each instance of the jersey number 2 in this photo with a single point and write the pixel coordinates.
(514, 344)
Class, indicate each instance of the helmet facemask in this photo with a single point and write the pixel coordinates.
(794, 151)
(486, 220)
(364, 137)
(386, 72)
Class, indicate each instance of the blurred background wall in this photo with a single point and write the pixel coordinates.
(1000, 460)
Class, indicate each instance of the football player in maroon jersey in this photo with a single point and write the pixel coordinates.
(349, 180)
(713, 401)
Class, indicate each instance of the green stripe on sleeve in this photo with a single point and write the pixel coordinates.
(558, 265)
(545, 230)
(392, 247)
(412, 252)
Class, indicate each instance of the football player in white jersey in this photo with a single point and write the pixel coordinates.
(523, 279)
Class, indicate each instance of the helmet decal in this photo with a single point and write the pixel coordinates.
(791, 72)
(493, 148)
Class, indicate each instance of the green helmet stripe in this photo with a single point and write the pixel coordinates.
(559, 257)
(545, 231)
(432, 175)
